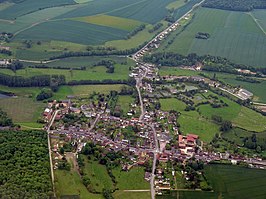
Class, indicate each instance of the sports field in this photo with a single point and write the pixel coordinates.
(234, 35)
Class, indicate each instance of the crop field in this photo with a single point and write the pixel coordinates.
(71, 31)
(29, 6)
(132, 180)
(237, 182)
(111, 21)
(176, 4)
(234, 35)
(260, 16)
(23, 110)
(228, 182)
(98, 175)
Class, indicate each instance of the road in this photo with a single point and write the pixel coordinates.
(167, 29)
(49, 147)
(94, 123)
(154, 161)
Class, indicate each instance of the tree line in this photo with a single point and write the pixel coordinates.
(5, 120)
(211, 63)
(235, 5)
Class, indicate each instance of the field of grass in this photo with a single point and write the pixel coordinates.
(175, 4)
(131, 195)
(111, 21)
(192, 122)
(92, 73)
(84, 90)
(164, 71)
(69, 183)
(172, 104)
(234, 35)
(98, 175)
(132, 180)
(124, 102)
(250, 120)
(23, 110)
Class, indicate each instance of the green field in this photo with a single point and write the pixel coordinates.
(23, 110)
(124, 102)
(98, 175)
(228, 182)
(131, 195)
(234, 35)
(192, 122)
(111, 21)
(85, 90)
(69, 183)
(131, 180)
(172, 104)
(92, 73)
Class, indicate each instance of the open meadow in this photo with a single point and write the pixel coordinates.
(234, 35)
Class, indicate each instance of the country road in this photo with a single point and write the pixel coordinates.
(49, 147)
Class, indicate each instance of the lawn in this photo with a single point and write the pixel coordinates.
(98, 175)
(234, 35)
(131, 195)
(111, 21)
(69, 183)
(131, 180)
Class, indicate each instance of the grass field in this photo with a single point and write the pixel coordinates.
(132, 180)
(176, 4)
(85, 90)
(234, 35)
(111, 21)
(131, 195)
(23, 110)
(124, 102)
(192, 122)
(172, 104)
(69, 183)
(98, 175)
(92, 73)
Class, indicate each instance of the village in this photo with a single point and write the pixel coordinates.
(149, 136)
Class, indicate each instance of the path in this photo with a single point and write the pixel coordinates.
(256, 21)
(49, 147)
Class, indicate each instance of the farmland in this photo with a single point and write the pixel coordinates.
(111, 21)
(228, 182)
(23, 110)
(234, 35)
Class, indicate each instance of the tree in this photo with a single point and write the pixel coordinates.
(226, 126)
